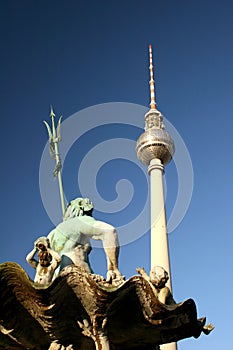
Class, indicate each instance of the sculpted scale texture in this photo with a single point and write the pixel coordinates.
(82, 311)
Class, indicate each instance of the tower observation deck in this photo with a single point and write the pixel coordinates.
(155, 142)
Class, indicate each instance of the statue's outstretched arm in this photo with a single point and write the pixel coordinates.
(107, 233)
(111, 248)
(30, 258)
(143, 273)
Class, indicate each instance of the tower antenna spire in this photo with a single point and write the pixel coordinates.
(55, 137)
(152, 82)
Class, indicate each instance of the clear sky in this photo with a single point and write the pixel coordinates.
(78, 54)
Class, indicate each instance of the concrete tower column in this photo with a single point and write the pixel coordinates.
(159, 240)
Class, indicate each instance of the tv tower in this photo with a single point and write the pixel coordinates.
(155, 149)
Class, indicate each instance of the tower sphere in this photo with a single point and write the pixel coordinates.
(155, 142)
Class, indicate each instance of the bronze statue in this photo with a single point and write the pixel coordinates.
(158, 278)
(71, 238)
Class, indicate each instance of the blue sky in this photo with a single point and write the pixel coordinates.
(78, 54)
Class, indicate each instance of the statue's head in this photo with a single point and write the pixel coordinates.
(158, 276)
(42, 243)
(78, 207)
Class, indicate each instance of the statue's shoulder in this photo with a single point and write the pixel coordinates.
(77, 222)
(84, 219)
(71, 222)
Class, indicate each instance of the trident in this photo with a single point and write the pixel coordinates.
(54, 138)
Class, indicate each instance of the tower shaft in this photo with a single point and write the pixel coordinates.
(159, 239)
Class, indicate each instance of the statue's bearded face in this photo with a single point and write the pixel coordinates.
(78, 207)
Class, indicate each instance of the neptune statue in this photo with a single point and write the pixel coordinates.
(71, 238)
